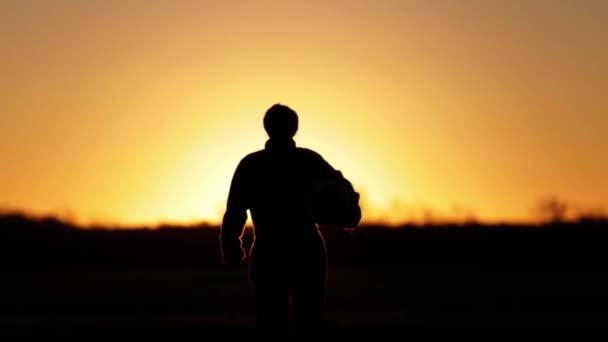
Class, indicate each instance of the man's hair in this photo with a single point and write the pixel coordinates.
(280, 122)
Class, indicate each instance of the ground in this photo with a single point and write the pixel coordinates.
(155, 283)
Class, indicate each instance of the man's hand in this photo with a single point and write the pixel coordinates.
(234, 258)
(349, 231)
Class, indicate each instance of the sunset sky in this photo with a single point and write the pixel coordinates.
(138, 111)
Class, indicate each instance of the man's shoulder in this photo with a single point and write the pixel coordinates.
(307, 152)
(314, 158)
(258, 156)
(252, 157)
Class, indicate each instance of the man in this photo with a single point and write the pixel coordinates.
(287, 261)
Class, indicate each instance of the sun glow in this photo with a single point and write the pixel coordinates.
(138, 112)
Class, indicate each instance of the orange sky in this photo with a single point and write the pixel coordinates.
(138, 111)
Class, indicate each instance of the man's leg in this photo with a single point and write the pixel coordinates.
(271, 300)
(308, 302)
(272, 308)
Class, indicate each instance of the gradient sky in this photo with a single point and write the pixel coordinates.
(139, 111)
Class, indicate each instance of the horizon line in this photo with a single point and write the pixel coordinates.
(161, 224)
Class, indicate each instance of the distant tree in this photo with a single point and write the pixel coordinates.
(429, 217)
(593, 215)
(552, 210)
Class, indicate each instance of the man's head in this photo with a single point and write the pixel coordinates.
(280, 122)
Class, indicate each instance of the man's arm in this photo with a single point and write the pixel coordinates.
(323, 169)
(352, 216)
(235, 218)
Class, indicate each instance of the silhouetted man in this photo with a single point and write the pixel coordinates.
(287, 261)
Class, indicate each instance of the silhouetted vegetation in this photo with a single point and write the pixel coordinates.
(51, 244)
(418, 276)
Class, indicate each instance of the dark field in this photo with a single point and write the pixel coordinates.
(61, 281)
